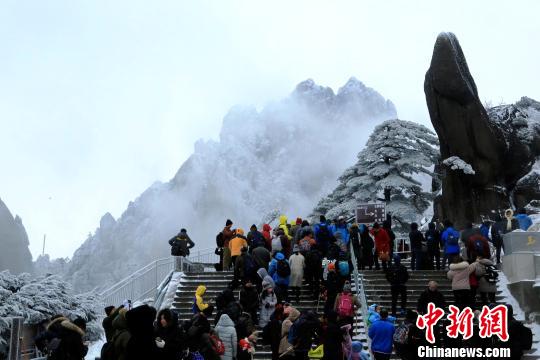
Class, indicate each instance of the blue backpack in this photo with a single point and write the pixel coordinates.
(343, 268)
(452, 238)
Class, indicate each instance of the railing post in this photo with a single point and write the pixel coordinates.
(15, 341)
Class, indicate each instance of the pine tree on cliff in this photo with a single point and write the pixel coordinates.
(396, 152)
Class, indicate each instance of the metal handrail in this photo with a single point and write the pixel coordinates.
(360, 294)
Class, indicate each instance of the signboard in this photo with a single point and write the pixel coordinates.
(370, 213)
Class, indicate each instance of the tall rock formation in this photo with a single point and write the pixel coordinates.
(483, 155)
(14, 253)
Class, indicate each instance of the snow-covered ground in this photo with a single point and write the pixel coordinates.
(94, 350)
(171, 290)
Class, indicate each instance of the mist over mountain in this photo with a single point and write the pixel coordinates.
(14, 254)
(283, 158)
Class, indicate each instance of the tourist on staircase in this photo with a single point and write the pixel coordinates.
(249, 299)
(354, 239)
(468, 232)
(286, 349)
(434, 246)
(343, 229)
(142, 343)
(272, 331)
(303, 332)
(497, 232)
(304, 229)
(387, 226)
(227, 334)
(332, 286)
(450, 238)
(397, 275)
(267, 233)
(382, 246)
(487, 279)
(366, 245)
(322, 235)
(298, 264)
(283, 225)
(235, 246)
(262, 257)
(231, 307)
(227, 234)
(267, 306)
(430, 295)
(295, 228)
(199, 304)
(346, 305)
(523, 219)
(169, 336)
(408, 337)
(245, 268)
(477, 245)
(180, 246)
(459, 274)
(416, 239)
(313, 271)
(332, 337)
(307, 242)
(255, 238)
(381, 333)
(280, 271)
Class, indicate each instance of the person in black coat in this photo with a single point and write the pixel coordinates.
(430, 295)
(140, 322)
(416, 239)
(434, 245)
(70, 334)
(181, 244)
(332, 338)
(249, 299)
(171, 335)
(397, 275)
(196, 327)
(367, 245)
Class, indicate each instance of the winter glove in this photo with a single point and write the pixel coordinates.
(160, 343)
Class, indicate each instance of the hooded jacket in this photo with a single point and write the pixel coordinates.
(227, 333)
(283, 225)
(381, 333)
(297, 263)
(382, 240)
(268, 305)
(272, 271)
(459, 274)
(448, 248)
(266, 279)
(293, 314)
(267, 233)
(261, 256)
(524, 221)
(201, 289)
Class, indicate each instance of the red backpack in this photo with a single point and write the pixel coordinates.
(217, 345)
(345, 306)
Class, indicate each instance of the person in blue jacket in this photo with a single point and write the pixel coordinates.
(323, 234)
(450, 239)
(381, 333)
(341, 227)
(282, 282)
(524, 220)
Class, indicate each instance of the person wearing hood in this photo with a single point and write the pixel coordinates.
(69, 335)
(199, 304)
(323, 235)
(262, 257)
(487, 289)
(296, 225)
(301, 233)
(228, 305)
(268, 305)
(374, 315)
(227, 234)
(342, 228)
(284, 346)
(497, 232)
(298, 264)
(430, 295)
(346, 305)
(333, 287)
(354, 238)
(358, 352)
(227, 333)
(523, 219)
(255, 238)
(510, 223)
(265, 278)
(245, 267)
(381, 333)
(382, 246)
(280, 271)
(169, 337)
(459, 273)
(267, 233)
(142, 344)
(397, 275)
(366, 245)
(283, 225)
(237, 243)
(181, 244)
(450, 238)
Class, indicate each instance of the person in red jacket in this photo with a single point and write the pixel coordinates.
(267, 234)
(382, 246)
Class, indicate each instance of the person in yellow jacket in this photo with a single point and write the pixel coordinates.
(283, 225)
(200, 305)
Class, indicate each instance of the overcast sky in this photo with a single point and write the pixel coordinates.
(99, 99)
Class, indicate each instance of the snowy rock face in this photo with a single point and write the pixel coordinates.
(14, 253)
(280, 159)
(499, 146)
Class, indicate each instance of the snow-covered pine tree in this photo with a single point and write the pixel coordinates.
(397, 153)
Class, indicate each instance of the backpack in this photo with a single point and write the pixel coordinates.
(176, 248)
(283, 269)
(478, 246)
(276, 244)
(196, 356)
(343, 268)
(220, 241)
(491, 274)
(452, 238)
(249, 265)
(217, 345)
(401, 334)
(345, 306)
(257, 240)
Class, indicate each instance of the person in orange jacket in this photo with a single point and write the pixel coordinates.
(237, 243)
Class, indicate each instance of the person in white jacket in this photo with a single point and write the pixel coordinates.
(227, 333)
(268, 305)
(297, 263)
(459, 273)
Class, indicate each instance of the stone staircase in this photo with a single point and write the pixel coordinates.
(216, 282)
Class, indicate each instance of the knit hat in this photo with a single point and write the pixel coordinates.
(240, 231)
(228, 222)
(295, 248)
(332, 267)
(280, 256)
(357, 346)
(298, 221)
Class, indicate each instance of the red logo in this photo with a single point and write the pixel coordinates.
(491, 322)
